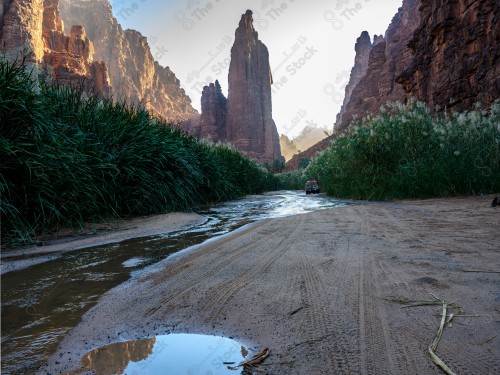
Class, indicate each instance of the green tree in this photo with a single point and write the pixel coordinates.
(304, 162)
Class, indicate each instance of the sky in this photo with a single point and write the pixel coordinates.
(310, 43)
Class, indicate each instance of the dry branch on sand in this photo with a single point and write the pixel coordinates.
(445, 320)
(253, 362)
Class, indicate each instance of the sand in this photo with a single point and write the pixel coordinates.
(318, 290)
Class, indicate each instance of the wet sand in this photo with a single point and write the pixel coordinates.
(319, 291)
(96, 235)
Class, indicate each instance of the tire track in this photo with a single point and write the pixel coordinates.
(227, 290)
(326, 319)
(380, 354)
(175, 268)
(410, 340)
(310, 287)
(206, 270)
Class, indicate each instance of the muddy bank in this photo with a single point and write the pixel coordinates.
(318, 289)
(96, 235)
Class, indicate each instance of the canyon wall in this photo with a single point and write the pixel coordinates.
(388, 58)
(21, 31)
(69, 59)
(134, 74)
(455, 54)
(32, 30)
(362, 47)
(445, 53)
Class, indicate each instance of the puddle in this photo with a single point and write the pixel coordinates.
(40, 304)
(177, 354)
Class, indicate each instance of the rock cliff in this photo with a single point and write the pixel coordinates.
(389, 57)
(212, 123)
(445, 53)
(250, 126)
(363, 47)
(456, 54)
(294, 163)
(33, 30)
(134, 74)
(21, 31)
(69, 59)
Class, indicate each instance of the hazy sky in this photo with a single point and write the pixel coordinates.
(310, 42)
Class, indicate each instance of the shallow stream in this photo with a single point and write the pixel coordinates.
(43, 302)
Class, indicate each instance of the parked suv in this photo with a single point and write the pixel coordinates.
(312, 186)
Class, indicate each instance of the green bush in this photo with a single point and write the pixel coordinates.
(405, 152)
(294, 180)
(68, 157)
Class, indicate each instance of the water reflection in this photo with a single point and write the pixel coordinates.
(170, 354)
(114, 358)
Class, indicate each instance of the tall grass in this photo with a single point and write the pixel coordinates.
(293, 180)
(405, 152)
(68, 157)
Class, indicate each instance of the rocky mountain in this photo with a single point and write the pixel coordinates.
(362, 47)
(250, 126)
(445, 53)
(33, 30)
(388, 57)
(455, 54)
(245, 118)
(21, 29)
(134, 74)
(295, 162)
(212, 123)
(308, 137)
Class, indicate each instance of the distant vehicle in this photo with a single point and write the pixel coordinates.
(312, 186)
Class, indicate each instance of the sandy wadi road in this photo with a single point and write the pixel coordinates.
(313, 289)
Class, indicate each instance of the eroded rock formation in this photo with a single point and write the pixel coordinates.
(456, 54)
(69, 59)
(244, 119)
(33, 30)
(250, 126)
(21, 32)
(445, 53)
(363, 47)
(134, 74)
(389, 57)
(295, 162)
(212, 124)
